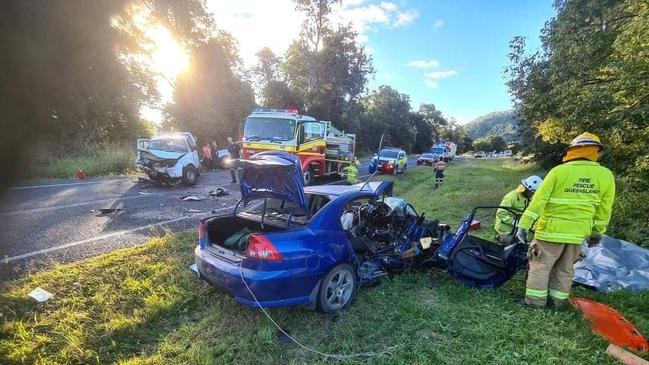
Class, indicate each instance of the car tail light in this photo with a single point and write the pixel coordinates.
(202, 240)
(475, 225)
(260, 248)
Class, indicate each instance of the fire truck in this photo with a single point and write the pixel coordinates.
(323, 149)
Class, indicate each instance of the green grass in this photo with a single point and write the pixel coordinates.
(94, 160)
(143, 306)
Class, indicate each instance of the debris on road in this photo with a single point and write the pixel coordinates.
(194, 211)
(219, 192)
(109, 210)
(40, 295)
(143, 193)
(191, 198)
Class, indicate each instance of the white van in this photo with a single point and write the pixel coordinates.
(169, 158)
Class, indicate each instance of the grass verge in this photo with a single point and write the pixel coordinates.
(143, 306)
(94, 160)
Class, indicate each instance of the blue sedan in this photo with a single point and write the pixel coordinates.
(287, 245)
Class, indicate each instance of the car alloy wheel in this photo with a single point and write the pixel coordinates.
(337, 289)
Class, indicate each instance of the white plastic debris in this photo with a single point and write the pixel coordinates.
(194, 268)
(194, 211)
(191, 198)
(40, 295)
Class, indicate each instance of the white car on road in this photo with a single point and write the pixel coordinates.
(169, 158)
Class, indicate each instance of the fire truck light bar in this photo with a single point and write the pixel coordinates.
(268, 110)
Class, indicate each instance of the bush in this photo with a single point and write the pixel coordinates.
(94, 160)
(630, 215)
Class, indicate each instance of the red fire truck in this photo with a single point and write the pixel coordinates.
(323, 149)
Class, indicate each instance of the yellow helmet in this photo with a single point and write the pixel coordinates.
(586, 139)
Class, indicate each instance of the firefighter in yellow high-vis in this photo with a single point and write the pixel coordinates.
(572, 204)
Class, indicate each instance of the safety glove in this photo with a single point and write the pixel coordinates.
(521, 234)
(594, 240)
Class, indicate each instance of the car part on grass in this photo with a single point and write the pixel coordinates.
(40, 295)
(612, 265)
(611, 325)
(625, 356)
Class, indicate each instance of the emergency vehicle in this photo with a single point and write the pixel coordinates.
(322, 149)
(444, 151)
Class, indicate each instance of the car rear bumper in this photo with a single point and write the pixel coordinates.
(386, 169)
(272, 289)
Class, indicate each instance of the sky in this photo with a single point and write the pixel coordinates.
(447, 52)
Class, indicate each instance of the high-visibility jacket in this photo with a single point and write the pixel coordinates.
(505, 219)
(352, 174)
(573, 202)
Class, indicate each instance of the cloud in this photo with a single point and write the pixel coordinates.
(275, 24)
(423, 64)
(406, 17)
(438, 23)
(433, 77)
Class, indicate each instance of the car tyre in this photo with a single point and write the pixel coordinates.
(337, 290)
(308, 177)
(190, 175)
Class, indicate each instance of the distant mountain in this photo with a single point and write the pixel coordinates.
(502, 124)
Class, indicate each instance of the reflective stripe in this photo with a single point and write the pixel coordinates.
(531, 214)
(574, 201)
(558, 294)
(536, 293)
(561, 235)
(601, 223)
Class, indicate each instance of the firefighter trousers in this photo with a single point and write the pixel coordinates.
(551, 272)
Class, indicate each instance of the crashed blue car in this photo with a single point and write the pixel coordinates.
(287, 245)
(309, 246)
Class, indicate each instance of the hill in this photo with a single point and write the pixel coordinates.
(502, 124)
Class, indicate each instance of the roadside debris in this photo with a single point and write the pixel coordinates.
(194, 211)
(194, 268)
(109, 210)
(40, 295)
(611, 325)
(613, 265)
(191, 198)
(143, 193)
(219, 192)
(80, 174)
(625, 356)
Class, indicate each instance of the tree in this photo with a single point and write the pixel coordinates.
(277, 94)
(210, 99)
(387, 112)
(592, 74)
(71, 75)
(428, 122)
(267, 67)
(316, 24)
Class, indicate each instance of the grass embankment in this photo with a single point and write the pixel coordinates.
(94, 160)
(143, 306)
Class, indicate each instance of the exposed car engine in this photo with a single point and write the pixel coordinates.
(387, 234)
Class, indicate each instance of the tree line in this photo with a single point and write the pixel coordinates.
(590, 74)
(74, 76)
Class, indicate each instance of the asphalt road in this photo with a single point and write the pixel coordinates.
(59, 221)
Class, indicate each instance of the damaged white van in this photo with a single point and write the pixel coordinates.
(169, 158)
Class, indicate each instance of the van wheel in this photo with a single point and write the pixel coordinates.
(337, 290)
(308, 177)
(189, 175)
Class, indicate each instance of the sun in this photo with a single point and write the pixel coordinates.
(163, 54)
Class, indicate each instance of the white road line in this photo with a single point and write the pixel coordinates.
(71, 205)
(7, 260)
(64, 184)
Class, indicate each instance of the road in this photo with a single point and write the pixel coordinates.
(43, 223)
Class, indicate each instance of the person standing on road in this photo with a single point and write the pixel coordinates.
(235, 153)
(573, 204)
(215, 154)
(439, 168)
(207, 156)
(517, 199)
(351, 172)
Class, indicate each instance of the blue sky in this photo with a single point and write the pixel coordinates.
(469, 40)
(448, 52)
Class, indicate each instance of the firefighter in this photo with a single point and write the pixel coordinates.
(351, 172)
(573, 204)
(439, 168)
(517, 199)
